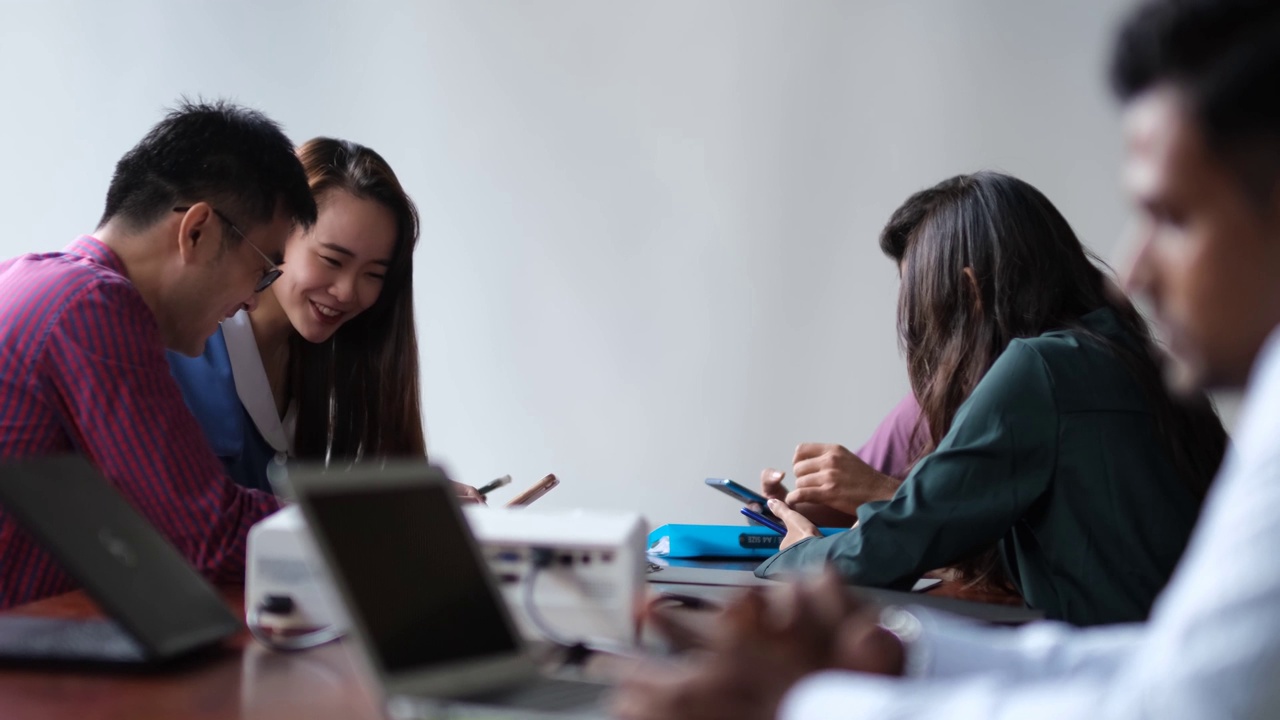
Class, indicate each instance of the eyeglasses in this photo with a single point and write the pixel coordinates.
(270, 275)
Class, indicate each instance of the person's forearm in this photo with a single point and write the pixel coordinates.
(882, 487)
(954, 646)
(843, 552)
(222, 558)
(825, 515)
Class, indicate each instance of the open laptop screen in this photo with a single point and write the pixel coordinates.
(394, 547)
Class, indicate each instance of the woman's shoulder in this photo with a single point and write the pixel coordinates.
(1086, 341)
(1080, 364)
(1020, 377)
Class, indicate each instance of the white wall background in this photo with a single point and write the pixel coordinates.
(649, 240)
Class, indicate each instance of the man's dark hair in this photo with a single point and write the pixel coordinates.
(1224, 55)
(234, 158)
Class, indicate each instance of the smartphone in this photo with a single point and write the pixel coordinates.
(772, 523)
(535, 491)
(742, 494)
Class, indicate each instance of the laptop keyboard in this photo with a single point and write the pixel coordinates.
(546, 694)
(36, 638)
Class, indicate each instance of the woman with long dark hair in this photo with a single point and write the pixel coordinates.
(325, 366)
(1054, 460)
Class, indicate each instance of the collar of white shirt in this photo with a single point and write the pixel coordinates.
(252, 387)
(1259, 420)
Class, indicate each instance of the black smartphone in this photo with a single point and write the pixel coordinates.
(742, 493)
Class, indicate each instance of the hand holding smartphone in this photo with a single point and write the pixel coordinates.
(535, 491)
(772, 523)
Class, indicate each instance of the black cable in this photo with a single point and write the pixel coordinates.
(576, 651)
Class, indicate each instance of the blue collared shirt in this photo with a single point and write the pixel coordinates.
(226, 389)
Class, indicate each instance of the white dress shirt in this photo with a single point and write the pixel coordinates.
(1210, 651)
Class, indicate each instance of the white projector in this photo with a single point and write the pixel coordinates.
(566, 576)
(283, 562)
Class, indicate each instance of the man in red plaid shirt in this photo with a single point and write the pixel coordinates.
(195, 222)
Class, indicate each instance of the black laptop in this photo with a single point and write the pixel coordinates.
(159, 607)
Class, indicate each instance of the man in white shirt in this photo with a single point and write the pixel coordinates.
(1200, 82)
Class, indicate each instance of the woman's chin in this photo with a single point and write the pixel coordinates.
(316, 335)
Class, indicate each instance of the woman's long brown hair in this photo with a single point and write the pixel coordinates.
(358, 392)
(1029, 275)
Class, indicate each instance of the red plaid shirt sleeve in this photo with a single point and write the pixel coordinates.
(106, 369)
(82, 369)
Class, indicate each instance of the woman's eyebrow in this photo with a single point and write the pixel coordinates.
(344, 251)
(337, 249)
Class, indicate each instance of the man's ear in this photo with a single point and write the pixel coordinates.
(974, 289)
(195, 241)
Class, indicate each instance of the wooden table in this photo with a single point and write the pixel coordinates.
(951, 595)
(244, 681)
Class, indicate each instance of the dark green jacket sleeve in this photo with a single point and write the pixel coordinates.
(993, 465)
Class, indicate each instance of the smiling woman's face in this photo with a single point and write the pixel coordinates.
(335, 271)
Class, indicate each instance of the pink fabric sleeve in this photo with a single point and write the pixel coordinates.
(890, 449)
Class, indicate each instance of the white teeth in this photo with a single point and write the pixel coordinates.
(327, 312)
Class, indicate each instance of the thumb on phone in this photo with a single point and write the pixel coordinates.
(798, 526)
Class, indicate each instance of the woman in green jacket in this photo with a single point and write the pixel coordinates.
(1055, 461)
